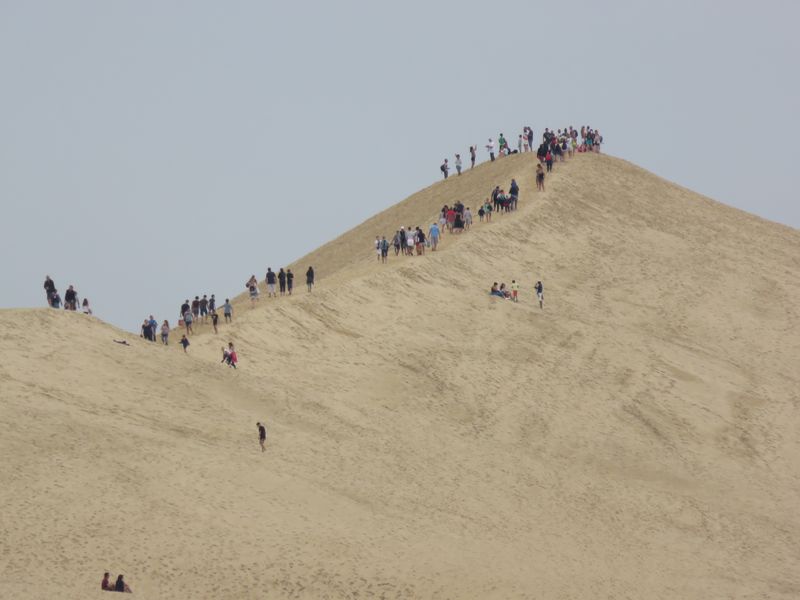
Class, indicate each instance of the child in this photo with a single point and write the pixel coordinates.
(226, 358)
(214, 320)
(232, 358)
(514, 289)
(184, 342)
(481, 212)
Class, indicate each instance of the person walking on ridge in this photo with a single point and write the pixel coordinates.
(270, 283)
(227, 310)
(282, 281)
(310, 278)
(458, 164)
(444, 168)
(472, 152)
(490, 149)
(540, 293)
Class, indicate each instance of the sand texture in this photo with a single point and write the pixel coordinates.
(638, 438)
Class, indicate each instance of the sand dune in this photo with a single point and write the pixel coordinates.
(635, 439)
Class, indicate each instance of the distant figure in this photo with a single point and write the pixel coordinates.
(433, 235)
(106, 584)
(184, 342)
(165, 332)
(514, 290)
(502, 143)
(548, 160)
(540, 293)
(225, 356)
(467, 218)
(233, 358)
(212, 304)
(458, 164)
(227, 310)
(86, 309)
(472, 152)
(496, 292)
(270, 283)
(487, 209)
(444, 168)
(252, 286)
(214, 320)
(481, 213)
(196, 308)
(204, 308)
(121, 586)
(49, 289)
(539, 177)
(71, 299)
(310, 278)
(147, 331)
(514, 192)
(188, 319)
(520, 143)
(384, 250)
(378, 247)
(282, 281)
(490, 149)
(289, 281)
(262, 436)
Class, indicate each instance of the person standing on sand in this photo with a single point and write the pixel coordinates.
(214, 320)
(539, 177)
(270, 283)
(433, 234)
(282, 281)
(514, 191)
(196, 307)
(187, 320)
(212, 304)
(252, 286)
(472, 152)
(310, 278)
(467, 218)
(539, 293)
(70, 299)
(487, 209)
(378, 247)
(384, 250)
(184, 343)
(165, 332)
(204, 308)
(49, 289)
(227, 310)
(262, 436)
(444, 168)
(458, 164)
(490, 149)
(289, 281)
(86, 309)
(514, 290)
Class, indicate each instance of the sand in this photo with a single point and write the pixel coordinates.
(637, 438)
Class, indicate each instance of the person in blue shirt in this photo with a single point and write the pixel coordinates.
(433, 234)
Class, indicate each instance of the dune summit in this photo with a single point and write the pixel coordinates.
(637, 438)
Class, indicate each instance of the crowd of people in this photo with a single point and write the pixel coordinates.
(512, 292)
(555, 146)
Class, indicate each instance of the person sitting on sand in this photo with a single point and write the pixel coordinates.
(106, 584)
(225, 356)
(495, 292)
(504, 292)
(121, 586)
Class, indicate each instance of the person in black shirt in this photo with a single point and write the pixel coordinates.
(212, 304)
(270, 283)
(310, 278)
(204, 307)
(49, 289)
(540, 293)
(121, 586)
(289, 280)
(262, 436)
(282, 281)
(214, 320)
(196, 307)
(70, 299)
(472, 157)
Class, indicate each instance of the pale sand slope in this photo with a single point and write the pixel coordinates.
(636, 439)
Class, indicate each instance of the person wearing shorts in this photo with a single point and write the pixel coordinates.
(262, 436)
(270, 283)
(540, 293)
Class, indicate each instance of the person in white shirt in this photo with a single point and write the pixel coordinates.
(467, 218)
(458, 164)
(378, 247)
(490, 149)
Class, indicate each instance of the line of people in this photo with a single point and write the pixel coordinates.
(284, 279)
(512, 292)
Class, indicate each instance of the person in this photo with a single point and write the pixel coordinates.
(458, 223)
(514, 191)
(472, 152)
(282, 281)
(506, 294)
(444, 168)
(184, 307)
(458, 164)
(433, 234)
(520, 143)
(539, 177)
(396, 242)
(184, 342)
(467, 218)
(514, 290)
(530, 138)
(121, 586)
(310, 278)
(225, 356)
(153, 328)
(232, 356)
(196, 308)
(204, 308)
(420, 237)
(70, 299)
(49, 289)
(378, 247)
(490, 149)
(86, 309)
(106, 584)
(487, 208)
(188, 318)
(262, 436)
(146, 331)
(502, 144)
(539, 293)
(212, 304)
(481, 212)
(227, 310)
(495, 292)
(289, 281)
(252, 287)
(270, 283)
(214, 320)
(451, 218)
(384, 250)
(165, 332)
(548, 159)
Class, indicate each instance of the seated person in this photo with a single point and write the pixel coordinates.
(504, 292)
(121, 586)
(495, 292)
(106, 584)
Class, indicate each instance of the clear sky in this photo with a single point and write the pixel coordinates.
(154, 150)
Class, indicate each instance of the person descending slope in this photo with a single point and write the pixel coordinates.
(539, 293)
(310, 278)
(262, 436)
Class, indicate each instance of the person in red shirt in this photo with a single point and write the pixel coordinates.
(106, 584)
(451, 218)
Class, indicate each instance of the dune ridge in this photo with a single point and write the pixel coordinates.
(634, 439)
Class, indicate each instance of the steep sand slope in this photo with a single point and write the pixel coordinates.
(636, 439)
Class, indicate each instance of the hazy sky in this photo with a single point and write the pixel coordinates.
(150, 151)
